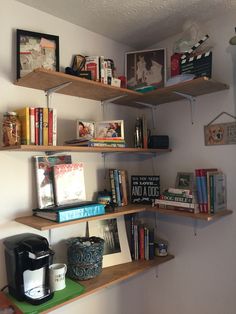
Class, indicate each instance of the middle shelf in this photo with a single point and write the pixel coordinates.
(44, 224)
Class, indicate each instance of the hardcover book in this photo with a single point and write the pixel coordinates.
(69, 186)
(63, 214)
(44, 177)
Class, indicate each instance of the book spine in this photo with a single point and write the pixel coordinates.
(45, 126)
(36, 117)
(124, 180)
(132, 236)
(146, 243)
(24, 117)
(103, 144)
(136, 243)
(80, 212)
(117, 186)
(151, 244)
(177, 198)
(199, 190)
(203, 183)
(194, 210)
(50, 125)
(54, 127)
(40, 126)
(177, 204)
(120, 188)
(113, 190)
(141, 243)
(32, 125)
(212, 193)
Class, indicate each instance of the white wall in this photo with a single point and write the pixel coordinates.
(202, 277)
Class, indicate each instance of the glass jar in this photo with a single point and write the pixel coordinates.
(11, 129)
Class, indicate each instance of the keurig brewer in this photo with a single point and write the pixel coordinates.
(28, 257)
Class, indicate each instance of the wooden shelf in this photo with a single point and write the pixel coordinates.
(197, 87)
(81, 149)
(201, 216)
(44, 224)
(115, 274)
(44, 79)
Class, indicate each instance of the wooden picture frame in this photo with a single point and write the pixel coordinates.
(184, 180)
(36, 50)
(145, 68)
(111, 129)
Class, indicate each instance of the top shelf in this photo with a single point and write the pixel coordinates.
(44, 79)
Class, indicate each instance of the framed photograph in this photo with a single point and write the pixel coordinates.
(113, 231)
(36, 50)
(145, 68)
(184, 180)
(145, 189)
(85, 129)
(113, 129)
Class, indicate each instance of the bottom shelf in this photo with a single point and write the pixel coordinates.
(109, 276)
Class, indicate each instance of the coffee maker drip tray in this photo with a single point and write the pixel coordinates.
(37, 293)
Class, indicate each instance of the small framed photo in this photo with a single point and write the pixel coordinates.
(145, 68)
(113, 129)
(85, 129)
(184, 180)
(36, 50)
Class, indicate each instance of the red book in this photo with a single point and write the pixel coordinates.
(50, 126)
(141, 242)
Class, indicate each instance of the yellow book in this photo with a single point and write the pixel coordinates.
(45, 126)
(23, 114)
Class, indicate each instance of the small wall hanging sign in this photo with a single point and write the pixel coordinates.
(221, 133)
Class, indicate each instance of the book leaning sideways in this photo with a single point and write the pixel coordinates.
(71, 212)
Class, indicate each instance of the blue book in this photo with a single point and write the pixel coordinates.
(71, 213)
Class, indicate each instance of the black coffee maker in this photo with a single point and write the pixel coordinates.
(28, 257)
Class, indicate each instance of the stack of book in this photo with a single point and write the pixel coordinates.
(119, 186)
(142, 241)
(211, 190)
(178, 199)
(105, 142)
(38, 126)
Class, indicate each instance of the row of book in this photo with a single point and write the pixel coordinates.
(102, 70)
(38, 126)
(211, 190)
(119, 186)
(142, 241)
(178, 199)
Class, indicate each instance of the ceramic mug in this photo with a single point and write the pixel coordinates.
(57, 276)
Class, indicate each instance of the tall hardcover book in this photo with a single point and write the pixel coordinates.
(40, 126)
(36, 120)
(24, 118)
(69, 186)
(44, 177)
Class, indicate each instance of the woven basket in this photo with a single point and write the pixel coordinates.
(84, 256)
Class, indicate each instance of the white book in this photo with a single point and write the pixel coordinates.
(32, 125)
(54, 127)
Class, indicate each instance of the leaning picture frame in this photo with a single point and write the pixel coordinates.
(184, 180)
(36, 50)
(111, 129)
(145, 68)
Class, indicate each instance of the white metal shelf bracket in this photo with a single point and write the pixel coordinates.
(191, 100)
(50, 91)
(112, 99)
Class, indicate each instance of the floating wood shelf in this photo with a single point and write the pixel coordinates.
(115, 274)
(44, 79)
(85, 149)
(44, 224)
(201, 216)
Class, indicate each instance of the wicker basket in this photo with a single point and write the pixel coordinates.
(84, 256)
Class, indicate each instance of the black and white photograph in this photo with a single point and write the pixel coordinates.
(184, 180)
(113, 231)
(146, 68)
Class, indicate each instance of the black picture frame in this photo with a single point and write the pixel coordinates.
(36, 50)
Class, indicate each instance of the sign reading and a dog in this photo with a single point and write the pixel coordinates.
(144, 189)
